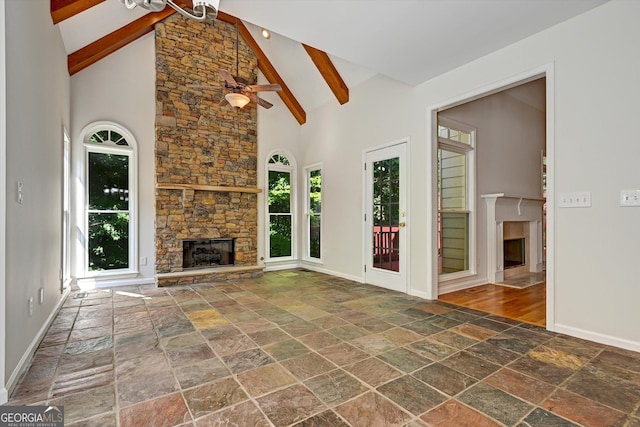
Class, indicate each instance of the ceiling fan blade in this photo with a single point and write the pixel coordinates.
(264, 88)
(228, 77)
(261, 102)
(223, 102)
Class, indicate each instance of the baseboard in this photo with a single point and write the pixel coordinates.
(597, 337)
(23, 364)
(284, 266)
(86, 284)
(318, 269)
(446, 288)
(419, 294)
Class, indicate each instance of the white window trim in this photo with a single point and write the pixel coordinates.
(307, 214)
(470, 153)
(66, 211)
(292, 169)
(131, 151)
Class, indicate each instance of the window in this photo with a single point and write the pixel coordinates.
(110, 200)
(456, 199)
(281, 203)
(313, 212)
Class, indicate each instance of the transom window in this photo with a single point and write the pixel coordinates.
(110, 200)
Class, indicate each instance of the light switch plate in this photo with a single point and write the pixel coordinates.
(576, 199)
(629, 198)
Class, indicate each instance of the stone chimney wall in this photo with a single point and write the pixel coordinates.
(199, 143)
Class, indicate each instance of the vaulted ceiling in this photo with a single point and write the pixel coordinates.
(319, 48)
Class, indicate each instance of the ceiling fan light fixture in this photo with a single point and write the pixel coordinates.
(237, 100)
(203, 9)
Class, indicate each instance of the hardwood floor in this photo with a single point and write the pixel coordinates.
(526, 305)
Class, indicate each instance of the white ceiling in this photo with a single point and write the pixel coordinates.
(408, 40)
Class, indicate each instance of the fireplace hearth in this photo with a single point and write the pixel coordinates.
(207, 253)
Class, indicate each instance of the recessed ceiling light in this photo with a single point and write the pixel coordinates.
(266, 33)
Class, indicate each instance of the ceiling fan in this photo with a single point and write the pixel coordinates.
(240, 92)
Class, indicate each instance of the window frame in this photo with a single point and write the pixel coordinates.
(469, 151)
(129, 150)
(66, 210)
(307, 213)
(280, 167)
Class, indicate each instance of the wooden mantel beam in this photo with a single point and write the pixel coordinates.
(267, 68)
(329, 73)
(64, 9)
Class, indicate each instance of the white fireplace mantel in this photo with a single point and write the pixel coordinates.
(502, 207)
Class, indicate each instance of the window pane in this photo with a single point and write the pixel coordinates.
(314, 236)
(279, 192)
(452, 180)
(108, 241)
(102, 135)
(386, 214)
(315, 191)
(454, 242)
(108, 181)
(279, 235)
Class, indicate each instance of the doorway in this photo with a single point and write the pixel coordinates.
(385, 217)
(539, 172)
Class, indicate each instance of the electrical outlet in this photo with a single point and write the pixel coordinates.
(578, 199)
(30, 303)
(629, 197)
(20, 188)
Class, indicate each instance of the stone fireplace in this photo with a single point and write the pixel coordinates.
(206, 157)
(514, 236)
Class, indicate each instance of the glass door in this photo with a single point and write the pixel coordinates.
(386, 218)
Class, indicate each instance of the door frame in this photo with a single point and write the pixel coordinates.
(366, 241)
(547, 71)
(4, 394)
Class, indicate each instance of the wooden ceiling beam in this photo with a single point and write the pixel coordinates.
(64, 9)
(90, 54)
(329, 73)
(267, 68)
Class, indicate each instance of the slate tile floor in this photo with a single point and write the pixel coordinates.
(306, 349)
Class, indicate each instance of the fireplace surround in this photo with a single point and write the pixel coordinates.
(511, 217)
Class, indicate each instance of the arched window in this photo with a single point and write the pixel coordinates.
(110, 200)
(280, 210)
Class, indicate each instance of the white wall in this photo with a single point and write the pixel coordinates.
(120, 89)
(336, 136)
(596, 107)
(37, 111)
(277, 130)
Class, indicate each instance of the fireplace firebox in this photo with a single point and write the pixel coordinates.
(514, 253)
(206, 253)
